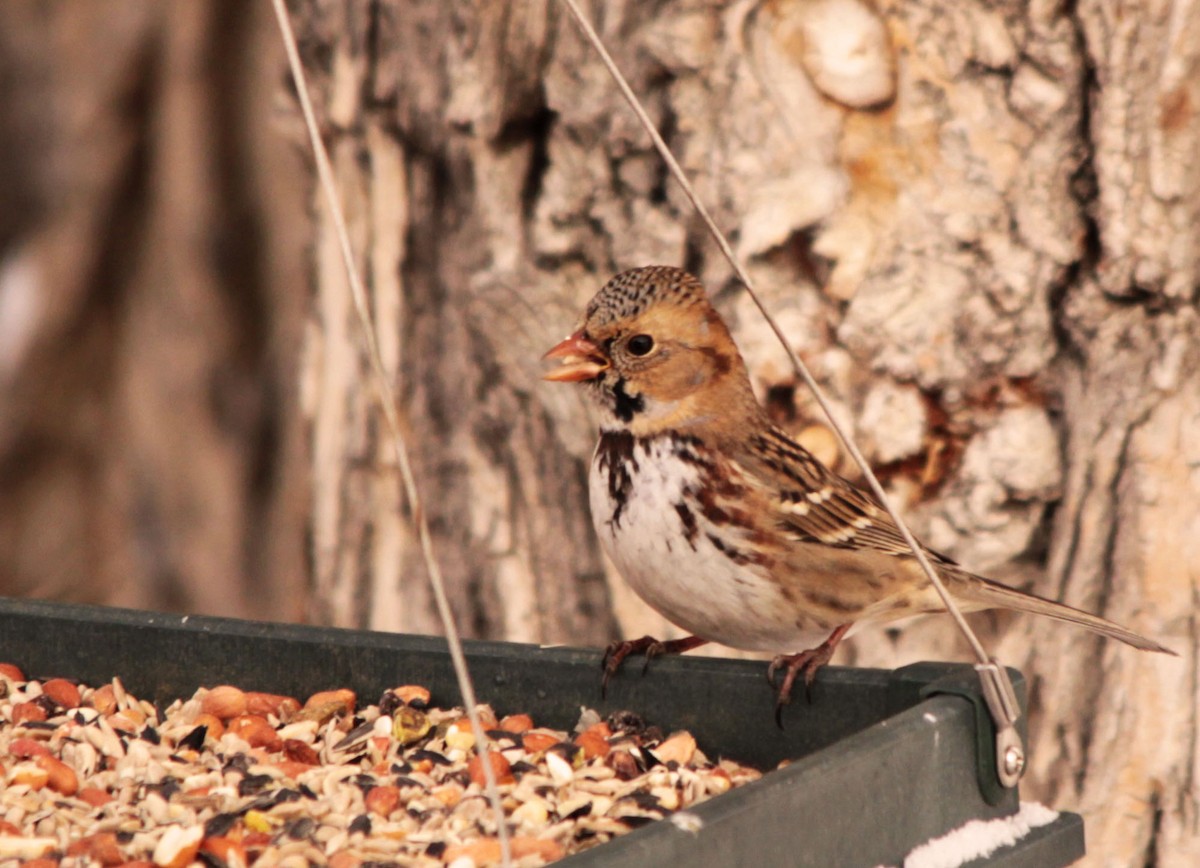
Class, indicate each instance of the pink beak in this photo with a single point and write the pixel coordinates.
(581, 360)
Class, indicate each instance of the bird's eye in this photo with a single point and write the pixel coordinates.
(639, 345)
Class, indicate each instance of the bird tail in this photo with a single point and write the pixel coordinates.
(988, 594)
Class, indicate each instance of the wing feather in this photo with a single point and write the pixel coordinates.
(814, 504)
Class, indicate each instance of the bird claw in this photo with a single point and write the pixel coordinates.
(616, 652)
(773, 668)
(792, 665)
(654, 649)
(806, 662)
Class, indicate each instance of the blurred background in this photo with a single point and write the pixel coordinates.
(978, 222)
(153, 288)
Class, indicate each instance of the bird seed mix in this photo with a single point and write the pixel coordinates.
(93, 776)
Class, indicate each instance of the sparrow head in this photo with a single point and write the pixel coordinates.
(655, 354)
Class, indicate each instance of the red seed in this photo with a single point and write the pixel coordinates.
(500, 768)
(538, 740)
(24, 711)
(517, 723)
(104, 699)
(271, 703)
(345, 698)
(94, 796)
(101, 847)
(256, 731)
(383, 800)
(487, 850)
(62, 778)
(255, 840)
(224, 702)
(593, 744)
(216, 729)
(602, 729)
(226, 850)
(27, 748)
(301, 752)
(292, 769)
(62, 691)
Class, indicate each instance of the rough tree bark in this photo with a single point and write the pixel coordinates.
(980, 224)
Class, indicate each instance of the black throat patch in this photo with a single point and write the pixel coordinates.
(626, 406)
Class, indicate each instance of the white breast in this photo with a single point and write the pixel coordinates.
(685, 576)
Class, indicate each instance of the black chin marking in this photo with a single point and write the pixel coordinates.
(626, 406)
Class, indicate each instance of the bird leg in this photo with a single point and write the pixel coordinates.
(616, 652)
(807, 662)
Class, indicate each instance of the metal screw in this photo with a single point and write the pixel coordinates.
(1014, 761)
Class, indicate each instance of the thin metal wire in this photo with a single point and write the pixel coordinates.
(387, 400)
(800, 367)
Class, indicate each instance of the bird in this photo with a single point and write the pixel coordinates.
(721, 521)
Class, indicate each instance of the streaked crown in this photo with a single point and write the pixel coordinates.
(632, 292)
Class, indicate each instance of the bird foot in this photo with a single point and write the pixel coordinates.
(616, 652)
(806, 663)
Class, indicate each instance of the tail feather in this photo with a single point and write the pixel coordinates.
(989, 594)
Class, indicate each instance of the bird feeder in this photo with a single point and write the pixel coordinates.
(878, 764)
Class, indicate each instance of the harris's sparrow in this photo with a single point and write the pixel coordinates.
(717, 518)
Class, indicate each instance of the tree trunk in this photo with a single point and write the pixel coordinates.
(151, 294)
(980, 230)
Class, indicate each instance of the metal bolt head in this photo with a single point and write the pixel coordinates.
(1014, 761)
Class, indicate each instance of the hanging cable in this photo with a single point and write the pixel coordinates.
(387, 400)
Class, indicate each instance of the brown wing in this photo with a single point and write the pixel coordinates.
(814, 504)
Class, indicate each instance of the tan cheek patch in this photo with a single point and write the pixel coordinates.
(681, 372)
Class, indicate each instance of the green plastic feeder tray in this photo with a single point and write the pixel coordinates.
(881, 761)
